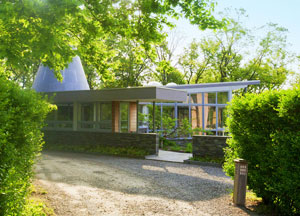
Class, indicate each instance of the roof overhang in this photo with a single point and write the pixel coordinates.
(215, 87)
(142, 94)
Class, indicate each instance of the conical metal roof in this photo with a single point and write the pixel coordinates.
(73, 78)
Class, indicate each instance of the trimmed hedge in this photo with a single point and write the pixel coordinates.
(22, 114)
(265, 130)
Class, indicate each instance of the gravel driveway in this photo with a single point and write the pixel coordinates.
(84, 184)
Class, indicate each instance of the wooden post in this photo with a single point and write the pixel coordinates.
(240, 182)
(115, 116)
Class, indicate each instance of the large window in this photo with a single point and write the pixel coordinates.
(61, 118)
(87, 116)
(124, 117)
(183, 113)
(210, 121)
(222, 97)
(105, 116)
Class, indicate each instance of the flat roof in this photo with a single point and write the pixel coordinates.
(143, 94)
(215, 87)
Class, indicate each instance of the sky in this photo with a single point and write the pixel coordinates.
(286, 13)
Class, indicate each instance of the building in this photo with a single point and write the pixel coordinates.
(116, 110)
(204, 105)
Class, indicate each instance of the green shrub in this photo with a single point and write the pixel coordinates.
(189, 148)
(22, 113)
(109, 150)
(208, 159)
(265, 130)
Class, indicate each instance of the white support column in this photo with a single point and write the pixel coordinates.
(230, 95)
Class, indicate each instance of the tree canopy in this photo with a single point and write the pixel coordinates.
(52, 32)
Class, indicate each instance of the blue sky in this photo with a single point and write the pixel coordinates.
(286, 13)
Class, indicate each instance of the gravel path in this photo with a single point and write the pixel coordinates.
(82, 184)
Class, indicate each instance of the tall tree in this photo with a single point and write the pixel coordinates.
(52, 32)
(233, 53)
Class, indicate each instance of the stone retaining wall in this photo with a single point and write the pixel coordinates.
(209, 146)
(144, 142)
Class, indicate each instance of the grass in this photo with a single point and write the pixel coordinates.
(35, 204)
(255, 204)
(208, 159)
(172, 146)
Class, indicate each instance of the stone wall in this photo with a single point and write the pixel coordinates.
(209, 146)
(147, 143)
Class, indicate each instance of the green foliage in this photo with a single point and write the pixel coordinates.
(208, 159)
(189, 148)
(110, 150)
(265, 131)
(52, 32)
(37, 208)
(35, 204)
(233, 53)
(22, 114)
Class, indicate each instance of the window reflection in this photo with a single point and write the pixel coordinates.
(222, 97)
(210, 117)
(124, 117)
(105, 116)
(210, 98)
(221, 117)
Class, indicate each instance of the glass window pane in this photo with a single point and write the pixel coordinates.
(105, 119)
(124, 112)
(196, 116)
(51, 116)
(143, 118)
(196, 98)
(210, 98)
(105, 111)
(222, 97)
(65, 112)
(87, 112)
(87, 116)
(168, 111)
(183, 113)
(210, 117)
(221, 117)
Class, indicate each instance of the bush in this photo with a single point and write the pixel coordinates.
(265, 131)
(189, 148)
(21, 115)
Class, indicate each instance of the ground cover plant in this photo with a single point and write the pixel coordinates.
(265, 130)
(208, 159)
(22, 114)
(107, 150)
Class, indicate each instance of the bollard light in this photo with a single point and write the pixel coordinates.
(240, 182)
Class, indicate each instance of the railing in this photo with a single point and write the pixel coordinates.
(63, 125)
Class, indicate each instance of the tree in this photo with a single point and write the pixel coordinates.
(52, 32)
(233, 53)
(166, 70)
(132, 64)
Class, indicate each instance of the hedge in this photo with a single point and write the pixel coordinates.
(265, 130)
(22, 114)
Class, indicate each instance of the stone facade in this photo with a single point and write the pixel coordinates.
(145, 142)
(209, 146)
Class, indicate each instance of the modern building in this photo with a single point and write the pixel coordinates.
(107, 110)
(204, 106)
(117, 110)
